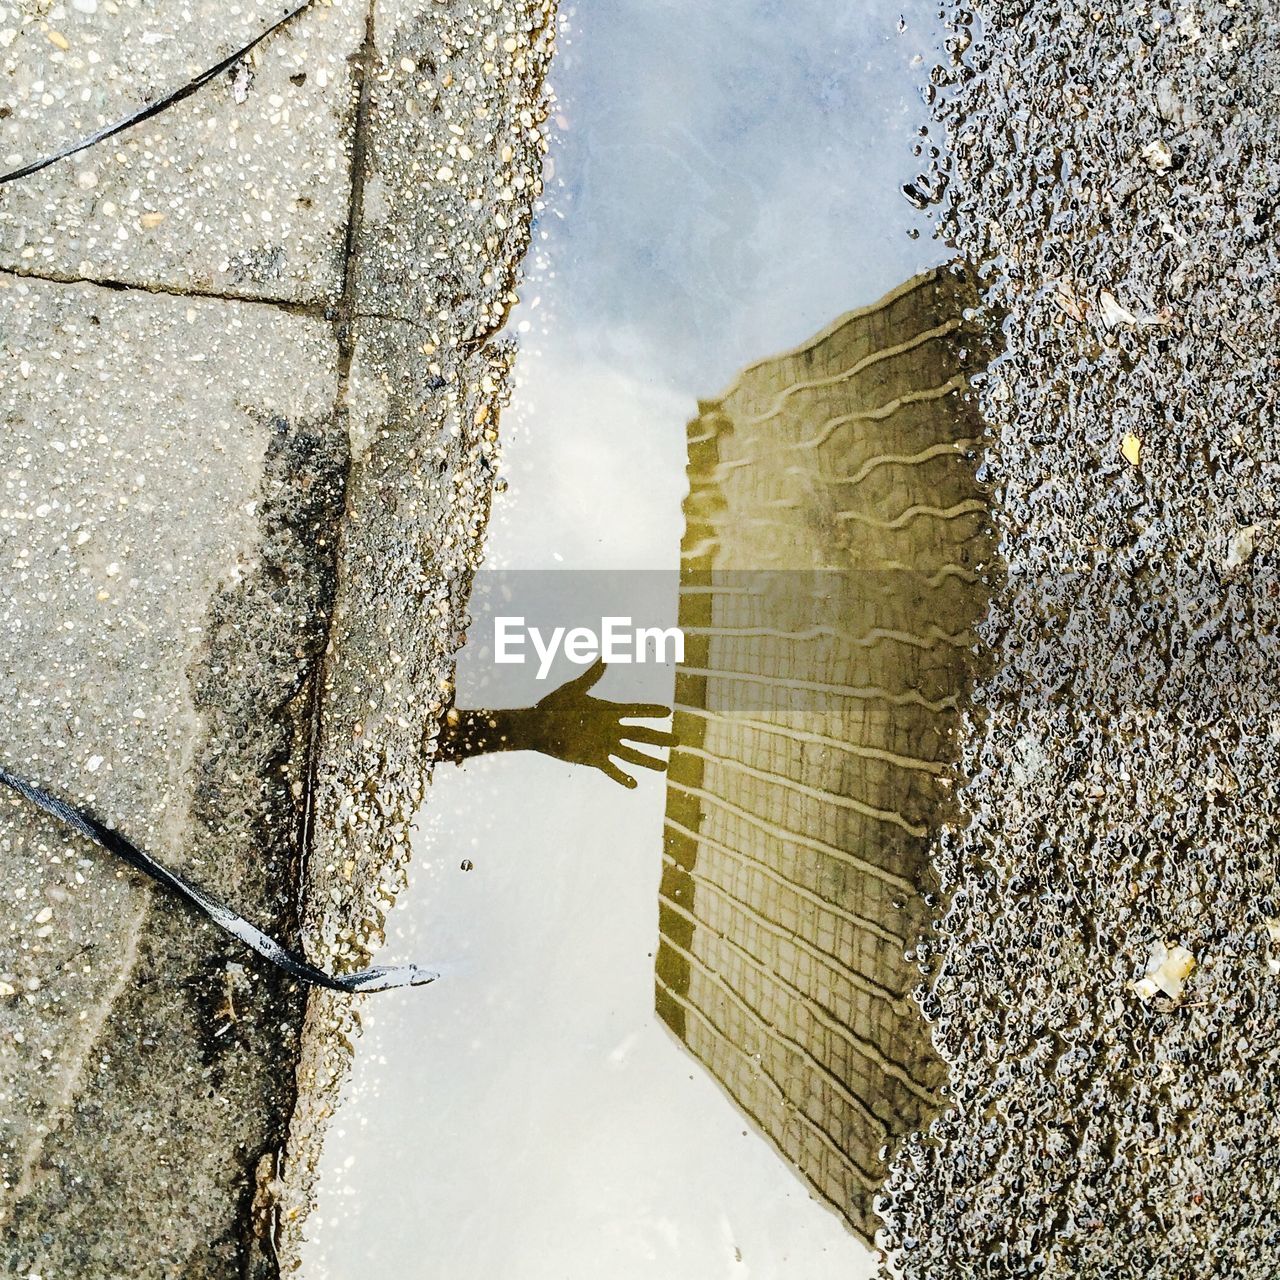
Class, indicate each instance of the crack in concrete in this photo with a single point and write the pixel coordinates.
(346, 350)
(311, 310)
(314, 690)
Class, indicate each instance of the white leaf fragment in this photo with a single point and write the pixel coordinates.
(1273, 933)
(1113, 314)
(1167, 970)
(1241, 548)
(1157, 156)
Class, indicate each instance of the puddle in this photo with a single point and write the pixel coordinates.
(740, 408)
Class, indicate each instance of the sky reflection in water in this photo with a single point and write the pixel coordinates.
(726, 181)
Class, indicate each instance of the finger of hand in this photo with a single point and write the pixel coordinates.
(589, 677)
(642, 711)
(649, 737)
(631, 756)
(622, 779)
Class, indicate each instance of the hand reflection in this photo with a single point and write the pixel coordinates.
(568, 724)
(572, 725)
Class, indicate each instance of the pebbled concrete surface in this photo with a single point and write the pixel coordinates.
(242, 189)
(1118, 173)
(245, 661)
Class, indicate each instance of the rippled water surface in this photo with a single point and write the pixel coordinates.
(726, 181)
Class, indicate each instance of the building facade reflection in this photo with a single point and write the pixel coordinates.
(836, 535)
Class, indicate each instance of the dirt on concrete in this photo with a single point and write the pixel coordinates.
(1116, 173)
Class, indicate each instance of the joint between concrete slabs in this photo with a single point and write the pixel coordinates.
(345, 318)
(312, 310)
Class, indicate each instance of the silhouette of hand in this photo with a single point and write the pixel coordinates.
(571, 725)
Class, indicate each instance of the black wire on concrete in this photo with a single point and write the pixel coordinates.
(152, 109)
(379, 978)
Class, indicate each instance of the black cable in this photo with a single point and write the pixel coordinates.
(154, 108)
(379, 978)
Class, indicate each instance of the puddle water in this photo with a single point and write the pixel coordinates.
(582, 1097)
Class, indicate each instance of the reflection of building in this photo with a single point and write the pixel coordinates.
(815, 714)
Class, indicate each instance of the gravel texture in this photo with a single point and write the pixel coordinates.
(1116, 172)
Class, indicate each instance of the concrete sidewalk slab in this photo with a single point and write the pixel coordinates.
(167, 515)
(243, 189)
